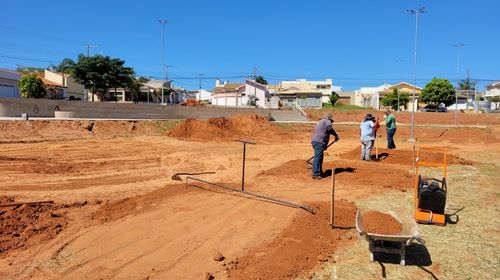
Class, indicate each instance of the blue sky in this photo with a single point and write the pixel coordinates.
(356, 43)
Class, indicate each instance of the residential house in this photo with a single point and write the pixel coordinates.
(326, 88)
(201, 95)
(9, 81)
(371, 96)
(301, 92)
(402, 87)
(345, 97)
(493, 95)
(69, 86)
(229, 94)
(253, 88)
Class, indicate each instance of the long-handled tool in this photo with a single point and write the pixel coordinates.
(309, 163)
(177, 177)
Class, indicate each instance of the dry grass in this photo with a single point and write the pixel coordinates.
(468, 249)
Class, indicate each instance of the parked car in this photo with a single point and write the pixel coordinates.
(434, 108)
(72, 98)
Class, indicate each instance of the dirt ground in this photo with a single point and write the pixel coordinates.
(116, 212)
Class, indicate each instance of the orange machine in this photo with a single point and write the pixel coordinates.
(430, 199)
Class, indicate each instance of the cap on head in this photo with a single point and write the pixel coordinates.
(329, 116)
(369, 117)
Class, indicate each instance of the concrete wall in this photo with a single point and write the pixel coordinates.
(95, 110)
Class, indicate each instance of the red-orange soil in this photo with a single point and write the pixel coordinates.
(381, 223)
(250, 127)
(309, 239)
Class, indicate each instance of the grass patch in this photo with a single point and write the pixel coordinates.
(341, 106)
(164, 126)
(468, 249)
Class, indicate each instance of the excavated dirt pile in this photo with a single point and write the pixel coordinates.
(24, 225)
(405, 157)
(192, 103)
(308, 240)
(250, 126)
(381, 223)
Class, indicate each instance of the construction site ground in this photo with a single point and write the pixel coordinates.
(117, 214)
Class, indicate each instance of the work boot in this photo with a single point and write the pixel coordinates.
(317, 176)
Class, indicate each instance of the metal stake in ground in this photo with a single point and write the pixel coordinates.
(332, 203)
(245, 142)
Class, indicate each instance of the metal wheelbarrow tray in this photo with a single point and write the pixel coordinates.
(392, 244)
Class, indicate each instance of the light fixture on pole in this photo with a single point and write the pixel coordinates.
(164, 75)
(415, 12)
(85, 91)
(458, 46)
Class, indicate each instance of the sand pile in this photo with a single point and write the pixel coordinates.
(381, 223)
(250, 126)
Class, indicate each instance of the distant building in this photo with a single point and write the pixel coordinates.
(260, 91)
(493, 95)
(64, 84)
(9, 81)
(301, 92)
(229, 94)
(201, 95)
(370, 97)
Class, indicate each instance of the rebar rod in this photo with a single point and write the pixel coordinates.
(280, 201)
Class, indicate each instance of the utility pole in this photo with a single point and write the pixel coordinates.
(458, 46)
(164, 74)
(415, 12)
(199, 91)
(85, 91)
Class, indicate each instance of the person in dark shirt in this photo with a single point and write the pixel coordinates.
(319, 141)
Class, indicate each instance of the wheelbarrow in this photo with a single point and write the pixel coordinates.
(391, 244)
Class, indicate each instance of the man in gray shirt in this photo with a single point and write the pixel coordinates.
(319, 141)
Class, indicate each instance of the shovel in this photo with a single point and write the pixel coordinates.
(309, 163)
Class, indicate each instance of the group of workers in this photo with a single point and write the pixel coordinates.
(368, 134)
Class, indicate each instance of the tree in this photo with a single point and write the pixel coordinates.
(466, 84)
(438, 91)
(100, 73)
(333, 98)
(261, 80)
(391, 100)
(67, 66)
(136, 85)
(32, 86)
(29, 70)
(252, 100)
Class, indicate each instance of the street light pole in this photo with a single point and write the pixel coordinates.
(199, 91)
(458, 46)
(85, 92)
(164, 75)
(415, 12)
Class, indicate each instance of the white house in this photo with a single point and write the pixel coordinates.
(70, 87)
(370, 97)
(252, 88)
(229, 94)
(301, 92)
(201, 95)
(493, 95)
(9, 84)
(325, 87)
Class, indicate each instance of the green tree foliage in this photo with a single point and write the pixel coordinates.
(438, 91)
(66, 66)
(391, 100)
(333, 98)
(29, 70)
(466, 84)
(261, 80)
(32, 86)
(135, 87)
(252, 100)
(100, 73)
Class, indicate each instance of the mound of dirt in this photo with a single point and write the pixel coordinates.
(381, 223)
(405, 157)
(355, 173)
(250, 126)
(308, 239)
(25, 225)
(112, 211)
(192, 103)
